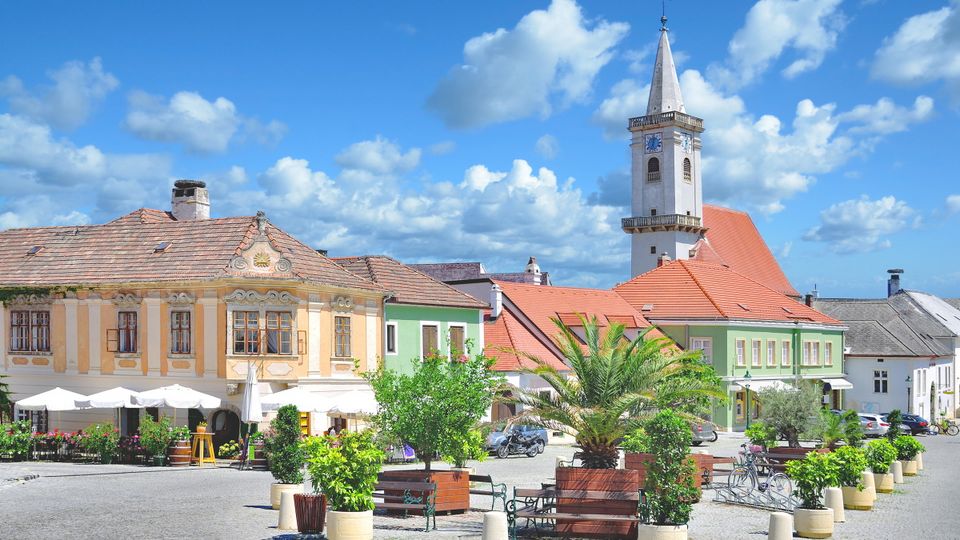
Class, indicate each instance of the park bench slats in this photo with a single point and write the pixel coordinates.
(495, 491)
(408, 493)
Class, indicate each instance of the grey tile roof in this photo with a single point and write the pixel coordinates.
(895, 326)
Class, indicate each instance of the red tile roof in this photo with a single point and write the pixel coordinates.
(124, 251)
(541, 304)
(410, 286)
(733, 239)
(507, 334)
(685, 290)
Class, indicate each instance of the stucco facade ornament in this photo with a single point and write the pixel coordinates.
(30, 299)
(126, 299)
(241, 296)
(180, 298)
(342, 303)
(260, 256)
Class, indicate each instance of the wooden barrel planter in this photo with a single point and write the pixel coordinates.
(311, 512)
(179, 453)
(453, 488)
(259, 461)
(615, 480)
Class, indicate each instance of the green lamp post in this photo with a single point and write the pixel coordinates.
(746, 385)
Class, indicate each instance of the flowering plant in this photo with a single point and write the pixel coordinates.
(101, 439)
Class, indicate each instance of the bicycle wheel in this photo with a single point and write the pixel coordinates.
(953, 430)
(740, 481)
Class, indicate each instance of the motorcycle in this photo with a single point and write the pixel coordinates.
(515, 443)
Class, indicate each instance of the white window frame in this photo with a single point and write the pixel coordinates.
(883, 377)
(786, 353)
(816, 353)
(807, 353)
(396, 340)
(741, 352)
(461, 326)
(704, 344)
(262, 309)
(771, 353)
(756, 353)
(828, 353)
(192, 329)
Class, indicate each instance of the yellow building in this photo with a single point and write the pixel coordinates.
(155, 298)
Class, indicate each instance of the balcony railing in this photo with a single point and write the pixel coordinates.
(685, 120)
(666, 220)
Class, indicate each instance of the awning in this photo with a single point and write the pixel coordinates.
(838, 384)
(759, 385)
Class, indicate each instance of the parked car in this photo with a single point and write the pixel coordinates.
(537, 435)
(704, 432)
(874, 425)
(912, 423)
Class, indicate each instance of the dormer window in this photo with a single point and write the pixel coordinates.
(687, 170)
(653, 170)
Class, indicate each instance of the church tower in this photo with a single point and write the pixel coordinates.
(667, 199)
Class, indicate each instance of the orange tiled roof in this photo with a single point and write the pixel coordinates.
(123, 251)
(409, 285)
(702, 290)
(733, 239)
(540, 304)
(507, 334)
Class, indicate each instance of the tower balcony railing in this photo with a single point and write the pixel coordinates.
(666, 220)
(683, 119)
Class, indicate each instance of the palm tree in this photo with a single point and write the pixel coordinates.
(616, 384)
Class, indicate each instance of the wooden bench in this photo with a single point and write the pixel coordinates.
(496, 491)
(711, 473)
(407, 496)
(773, 461)
(539, 505)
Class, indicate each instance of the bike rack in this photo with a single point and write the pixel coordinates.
(745, 488)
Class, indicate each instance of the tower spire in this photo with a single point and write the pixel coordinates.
(665, 87)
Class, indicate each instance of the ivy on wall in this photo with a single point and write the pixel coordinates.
(8, 294)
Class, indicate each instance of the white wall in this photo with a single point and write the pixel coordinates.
(922, 371)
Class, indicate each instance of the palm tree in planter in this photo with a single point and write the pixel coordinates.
(880, 456)
(616, 384)
(284, 453)
(811, 475)
(343, 469)
(851, 463)
(669, 483)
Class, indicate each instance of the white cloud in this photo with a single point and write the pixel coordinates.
(77, 88)
(807, 27)
(201, 126)
(886, 117)
(512, 74)
(627, 98)
(548, 146)
(924, 49)
(861, 225)
(379, 158)
(442, 148)
(953, 203)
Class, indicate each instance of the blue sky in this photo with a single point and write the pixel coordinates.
(494, 130)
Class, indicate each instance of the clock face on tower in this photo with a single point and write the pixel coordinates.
(686, 142)
(653, 143)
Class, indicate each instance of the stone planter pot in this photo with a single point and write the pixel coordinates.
(157, 461)
(662, 532)
(615, 480)
(909, 467)
(866, 478)
(311, 510)
(856, 499)
(350, 525)
(276, 489)
(919, 460)
(813, 523)
(883, 482)
(453, 488)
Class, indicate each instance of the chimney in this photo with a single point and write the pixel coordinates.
(190, 200)
(811, 296)
(533, 268)
(663, 259)
(496, 301)
(893, 284)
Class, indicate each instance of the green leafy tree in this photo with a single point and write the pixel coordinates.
(851, 462)
(617, 384)
(434, 408)
(811, 475)
(852, 429)
(880, 455)
(636, 441)
(791, 411)
(282, 444)
(669, 488)
(344, 468)
(894, 418)
(761, 434)
(462, 448)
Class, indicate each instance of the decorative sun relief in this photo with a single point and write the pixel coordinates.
(261, 260)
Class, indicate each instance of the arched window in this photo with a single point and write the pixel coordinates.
(687, 170)
(653, 169)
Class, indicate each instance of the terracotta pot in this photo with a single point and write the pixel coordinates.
(883, 482)
(350, 525)
(453, 488)
(856, 499)
(813, 523)
(615, 480)
(276, 489)
(201, 429)
(311, 510)
(909, 467)
(662, 532)
(179, 453)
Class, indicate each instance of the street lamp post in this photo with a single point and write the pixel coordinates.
(909, 387)
(747, 386)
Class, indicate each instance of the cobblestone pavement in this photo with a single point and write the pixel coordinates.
(120, 501)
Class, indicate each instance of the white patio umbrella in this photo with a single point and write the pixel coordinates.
(55, 400)
(354, 403)
(177, 397)
(250, 409)
(114, 398)
(304, 400)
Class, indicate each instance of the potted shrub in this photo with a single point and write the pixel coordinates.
(229, 450)
(101, 440)
(344, 469)
(907, 449)
(461, 449)
(669, 484)
(179, 452)
(202, 426)
(811, 475)
(852, 430)
(637, 455)
(851, 462)
(284, 453)
(155, 438)
(895, 419)
(15, 440)
(791, 411)
(880, 455)
(432, 409)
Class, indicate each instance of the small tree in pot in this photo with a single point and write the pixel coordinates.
(791, 411)
(811, 475)
(907, 450)
(461, 448)
(880, 455)
(852, 430)
(669, 483)
(895, 419)
(284, 453)
(761, 434)
(344, 469)
(155, 437)
(851, 462)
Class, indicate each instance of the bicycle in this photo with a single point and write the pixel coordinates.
(745, 484)
(946, 427)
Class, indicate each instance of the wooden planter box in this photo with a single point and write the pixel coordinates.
(453, 488)
(615, 480)
(641, 462)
